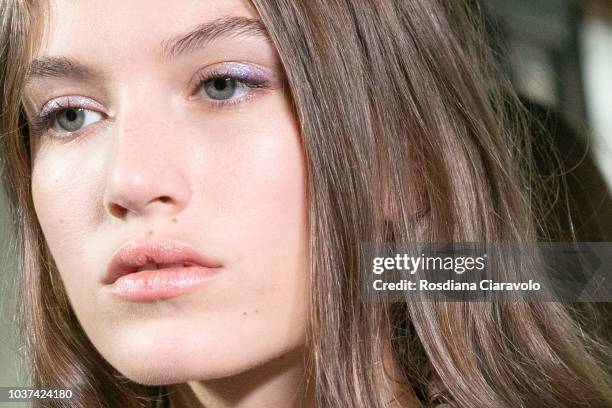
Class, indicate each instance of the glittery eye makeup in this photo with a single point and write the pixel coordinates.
(219, 86)
(231, 83)
(79, 110)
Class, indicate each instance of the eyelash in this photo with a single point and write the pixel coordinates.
(252, 83)
(45, 121)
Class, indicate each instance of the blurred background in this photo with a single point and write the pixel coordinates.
(558, 55)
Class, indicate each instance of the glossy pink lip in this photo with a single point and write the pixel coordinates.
(180, 268)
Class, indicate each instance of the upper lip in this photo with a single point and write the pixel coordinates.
(133, 255)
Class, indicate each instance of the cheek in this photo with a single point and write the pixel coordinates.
(58, 194)
(65, 196)
(262, 201)
(265, 191)
(50, 192)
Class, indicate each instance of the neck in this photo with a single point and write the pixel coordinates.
(278, 383)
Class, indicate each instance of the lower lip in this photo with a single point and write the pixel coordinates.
(159, 284)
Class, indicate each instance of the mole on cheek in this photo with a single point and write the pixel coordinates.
(150, 232)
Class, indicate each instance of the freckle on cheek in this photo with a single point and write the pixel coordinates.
(150, 232)
(174, 220)
(61, 221)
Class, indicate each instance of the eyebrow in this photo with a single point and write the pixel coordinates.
(212, 30)
(197, 38)
(61, 67)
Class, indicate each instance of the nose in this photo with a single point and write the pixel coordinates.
(147, 172)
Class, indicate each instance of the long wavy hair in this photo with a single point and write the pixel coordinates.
(407, 135)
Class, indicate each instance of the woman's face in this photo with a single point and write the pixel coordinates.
(141, 138)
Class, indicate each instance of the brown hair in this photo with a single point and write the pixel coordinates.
(406, 135)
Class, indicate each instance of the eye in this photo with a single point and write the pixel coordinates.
(232, 83)
(74, 119)
(221, 89)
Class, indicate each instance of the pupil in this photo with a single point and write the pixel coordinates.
(71, 115)
(221, 84)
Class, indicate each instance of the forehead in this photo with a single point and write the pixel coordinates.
(85, 26)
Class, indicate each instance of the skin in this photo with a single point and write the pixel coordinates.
(160, 159)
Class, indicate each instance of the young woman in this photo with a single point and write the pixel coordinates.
(191, 182)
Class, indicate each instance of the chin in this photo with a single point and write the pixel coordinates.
(176, 366)
(170, 358)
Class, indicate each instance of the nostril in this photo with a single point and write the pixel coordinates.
(120, 209)
(117, 210)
